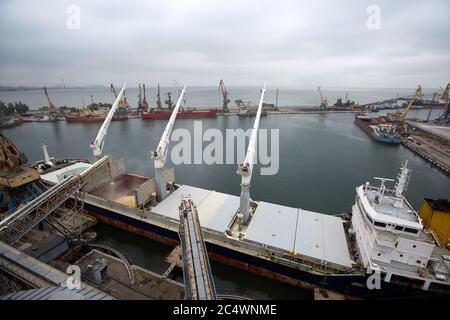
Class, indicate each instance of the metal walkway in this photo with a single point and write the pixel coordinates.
(17, 224)
(198, 279)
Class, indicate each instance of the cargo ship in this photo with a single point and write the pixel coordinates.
(382, 236)
(93, 118)
(379, 131)
(185, 113)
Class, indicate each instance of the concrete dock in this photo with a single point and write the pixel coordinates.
(431, 142)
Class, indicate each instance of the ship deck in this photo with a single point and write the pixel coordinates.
(291, 230)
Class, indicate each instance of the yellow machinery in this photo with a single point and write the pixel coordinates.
(13, 174)
(51, 106)
(436, 217)
(416, 95)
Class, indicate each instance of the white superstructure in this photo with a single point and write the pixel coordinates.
(391, 238)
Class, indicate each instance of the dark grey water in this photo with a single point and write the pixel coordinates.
(322, 159)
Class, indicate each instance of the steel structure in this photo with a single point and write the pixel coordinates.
(159, 156)
(246, 170)
(17, 224)
(97, 145)
(198, 279)
(224, 93)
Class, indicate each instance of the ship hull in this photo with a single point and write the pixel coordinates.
(85, 119)
(365, 126)
(194, 114)
(352, 285)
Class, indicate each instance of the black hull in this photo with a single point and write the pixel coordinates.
(352, 285)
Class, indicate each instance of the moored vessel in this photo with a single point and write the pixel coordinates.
(377, 129)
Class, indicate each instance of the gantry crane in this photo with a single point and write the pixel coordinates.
(323, 100)
(224, 93)
(159, 156)
(416, 95)
(98, 143)
(246, 169)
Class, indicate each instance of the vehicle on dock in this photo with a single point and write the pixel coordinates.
(378, 129)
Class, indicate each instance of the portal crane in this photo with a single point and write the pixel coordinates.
(159, 156)
(168, 102)
(158, 99)
(246, 170)
(323, 100)
(225, 93)
(140, 97)
(97, 145)
(122, 102)
(144, 100)
(51, 106)
(416, 95)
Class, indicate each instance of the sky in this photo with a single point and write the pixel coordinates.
(295, 43)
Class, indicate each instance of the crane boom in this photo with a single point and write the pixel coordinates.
(416, 95)
(159, 156)
(51, 106)
(246, 170)
(97, 145)
(113, 90)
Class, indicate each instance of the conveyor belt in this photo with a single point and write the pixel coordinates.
(198, 280)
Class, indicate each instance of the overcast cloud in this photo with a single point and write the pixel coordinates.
(292, 43)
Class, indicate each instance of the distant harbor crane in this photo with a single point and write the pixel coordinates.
(51, 106)
(417, 94)
(158, 99)
(99, 142)
(144, 100)
(323, 100)
(225, 93)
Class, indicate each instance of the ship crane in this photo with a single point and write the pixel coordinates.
(323, 100)
(159, 156)
(225, 94)
(246, 170)
(416, 95)
(99, 142)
